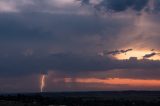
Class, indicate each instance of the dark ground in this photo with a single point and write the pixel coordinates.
(123, 98)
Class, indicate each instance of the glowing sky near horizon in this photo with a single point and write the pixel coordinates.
(137, 53)
(121, 81)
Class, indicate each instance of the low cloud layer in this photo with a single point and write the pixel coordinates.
(69, 63)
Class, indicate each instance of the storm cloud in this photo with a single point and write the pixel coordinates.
(70, 63)
(44, 33)
(123, 5)
(65, 37)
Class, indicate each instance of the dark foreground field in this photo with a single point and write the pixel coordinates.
(126, 98)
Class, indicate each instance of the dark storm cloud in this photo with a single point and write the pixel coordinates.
(149, 55)
(44, 31)
(122, 5)
(150, 6)
(68, 63)
(33, 29)
(37, 25)
(65, 32)
(115, 52)
(119, 5)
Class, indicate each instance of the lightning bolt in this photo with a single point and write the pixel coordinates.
(43, 80)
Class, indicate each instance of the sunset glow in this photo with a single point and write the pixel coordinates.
(137, 53)
(122, 81)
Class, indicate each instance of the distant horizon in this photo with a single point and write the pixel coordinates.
(90, 91)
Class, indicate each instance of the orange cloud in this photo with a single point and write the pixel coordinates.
(121, 81)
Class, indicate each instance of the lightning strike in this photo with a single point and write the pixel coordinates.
(43, 80)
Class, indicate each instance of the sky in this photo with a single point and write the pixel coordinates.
(79, 45)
